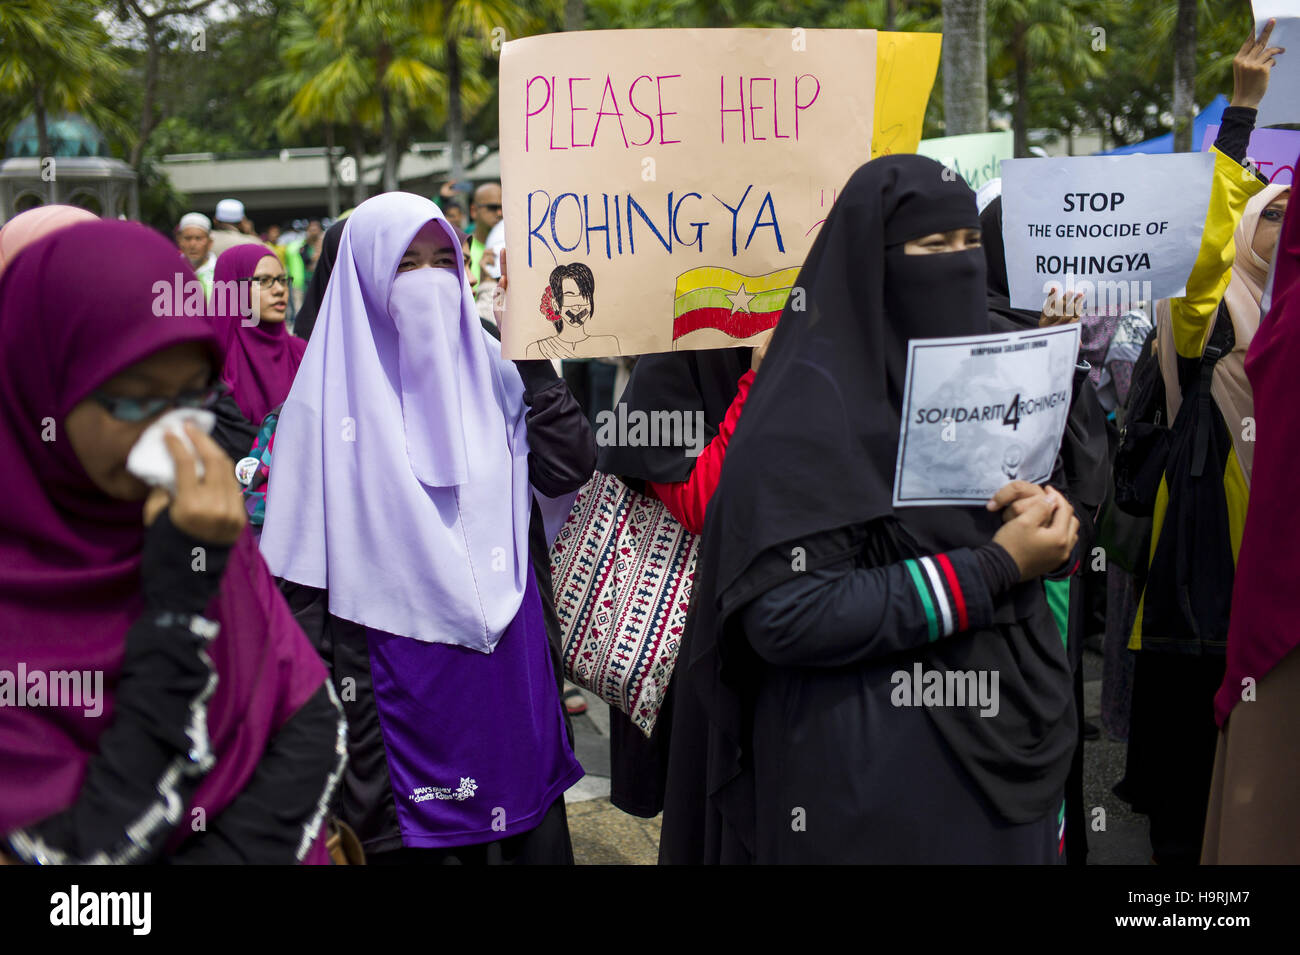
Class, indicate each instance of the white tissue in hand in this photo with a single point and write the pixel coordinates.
(150, 460)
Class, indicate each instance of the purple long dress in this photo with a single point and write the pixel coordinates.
(475, 742)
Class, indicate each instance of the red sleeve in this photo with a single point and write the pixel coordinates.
(687, 500)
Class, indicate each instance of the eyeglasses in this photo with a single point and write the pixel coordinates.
(270, 281)
(139, 409)
(488, 206)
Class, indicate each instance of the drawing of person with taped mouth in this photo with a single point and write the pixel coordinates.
(569, 304)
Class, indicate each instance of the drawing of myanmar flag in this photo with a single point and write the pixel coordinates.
(735, 304)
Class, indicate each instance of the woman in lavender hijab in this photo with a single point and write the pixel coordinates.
(424, 470)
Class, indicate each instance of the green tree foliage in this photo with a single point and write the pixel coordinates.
(55, 57)
(1133, 100)
(1050, 38)
(207, 97)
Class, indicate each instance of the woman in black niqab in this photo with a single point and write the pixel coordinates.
(795, 752)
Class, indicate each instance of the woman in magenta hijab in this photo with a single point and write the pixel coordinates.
(1255, 791)
(250, 299)
(151, 676)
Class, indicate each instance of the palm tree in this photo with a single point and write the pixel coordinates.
(318, 90)
(1134, 99)
(27, 34)
(457, 21)
(965, 79)
(367, 65)
(382, 48)
(152, 20)
(1047, 36)
(575, 14)
(1184, 75)
(54, 54)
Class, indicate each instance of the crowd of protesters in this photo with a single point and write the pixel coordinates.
(329, 631)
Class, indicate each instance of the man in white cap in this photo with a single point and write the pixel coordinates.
(229, 229)
(194, 236)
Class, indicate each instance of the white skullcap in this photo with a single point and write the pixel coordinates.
(195, 220)
(230, 210)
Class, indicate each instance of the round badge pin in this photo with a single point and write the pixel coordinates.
(245, 469)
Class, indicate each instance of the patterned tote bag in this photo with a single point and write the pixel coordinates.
(623, 568)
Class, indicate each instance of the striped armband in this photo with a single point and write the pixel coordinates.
(941, 595)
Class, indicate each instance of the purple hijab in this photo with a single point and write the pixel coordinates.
(261, 359)
(70, 587)
(403, 446)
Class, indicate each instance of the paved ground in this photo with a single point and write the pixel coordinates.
(605, 835)
(1119, 836)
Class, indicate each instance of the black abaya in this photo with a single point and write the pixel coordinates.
(694, 381)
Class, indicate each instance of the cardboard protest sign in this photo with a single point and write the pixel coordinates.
(976, 157)
(906, 64)
(982, 410)
(1273, 151)
(662, 187)
(1121, 229)
(1281, 104)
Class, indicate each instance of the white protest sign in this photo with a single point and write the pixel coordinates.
(1281, 104)
(1120, 229)
(982, 410)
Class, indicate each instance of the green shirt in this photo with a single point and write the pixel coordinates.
(476, 250)
(294, 265)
